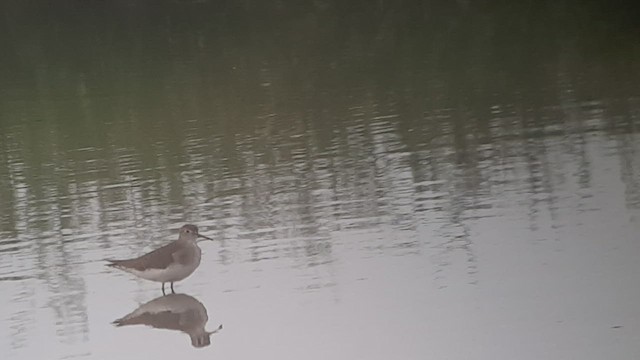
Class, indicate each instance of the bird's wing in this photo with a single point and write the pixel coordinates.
(161, 320)
(159, 258)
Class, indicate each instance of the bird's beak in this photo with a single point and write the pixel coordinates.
(214, 331)
(204, 237)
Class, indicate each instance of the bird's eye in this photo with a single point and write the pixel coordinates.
(188, 230)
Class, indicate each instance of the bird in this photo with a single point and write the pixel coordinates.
(179, 312)
(168, 264)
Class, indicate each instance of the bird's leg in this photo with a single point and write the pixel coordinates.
(173, 291)
(163, 289)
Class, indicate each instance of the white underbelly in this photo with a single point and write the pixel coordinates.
(174, 272)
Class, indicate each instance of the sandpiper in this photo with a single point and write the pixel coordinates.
(172, 262)
(173, 312)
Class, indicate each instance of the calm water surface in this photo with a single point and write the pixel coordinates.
(405, 183)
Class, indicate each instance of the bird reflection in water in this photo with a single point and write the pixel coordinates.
(173, 312)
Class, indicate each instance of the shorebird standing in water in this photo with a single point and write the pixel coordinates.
(168, 264)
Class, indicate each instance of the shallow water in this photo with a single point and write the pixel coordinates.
(378, 189)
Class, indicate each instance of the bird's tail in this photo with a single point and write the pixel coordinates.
(112, 263)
